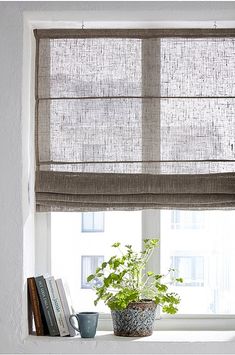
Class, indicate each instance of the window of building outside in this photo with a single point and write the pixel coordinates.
(89, 264)
(187, 219)
(190, 268)
(92, 222)
(202, 255)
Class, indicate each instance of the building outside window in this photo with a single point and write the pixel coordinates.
(190, 268)
(203, 257)
(81, 253)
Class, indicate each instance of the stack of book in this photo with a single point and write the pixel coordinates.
(49, 306)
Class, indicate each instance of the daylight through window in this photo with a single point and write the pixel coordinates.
(203, 257)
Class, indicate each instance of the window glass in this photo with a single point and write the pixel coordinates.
(92, 222)
(203, 257)
(89, 264)
(200, 245)
(98, 218)
(75, 254)
(190, 268)
(187, 219)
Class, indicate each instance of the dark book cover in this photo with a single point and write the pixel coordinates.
(34, 307)
(44, 322)
(30, 311)
(46, 305)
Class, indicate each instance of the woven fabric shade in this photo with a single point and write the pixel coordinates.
(134, 119)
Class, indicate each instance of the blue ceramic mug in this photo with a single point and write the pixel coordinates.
(87, 323)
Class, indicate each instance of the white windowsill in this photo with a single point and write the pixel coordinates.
(161, 342)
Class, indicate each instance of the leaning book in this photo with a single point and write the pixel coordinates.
(57, 306)
(66, 304)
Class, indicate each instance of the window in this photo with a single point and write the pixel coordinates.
(89, 265)
(190, 268)
(139, 119)
(92, 222)
(187, 219)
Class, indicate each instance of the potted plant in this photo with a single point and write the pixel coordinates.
(131, 292)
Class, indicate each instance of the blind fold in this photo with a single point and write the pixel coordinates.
(132, 191)
(132, 119)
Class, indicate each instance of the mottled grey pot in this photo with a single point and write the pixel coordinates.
(136, 320)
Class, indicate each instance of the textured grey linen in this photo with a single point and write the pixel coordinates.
(134, 119)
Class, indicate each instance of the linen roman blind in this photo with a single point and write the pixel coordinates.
(134, 119)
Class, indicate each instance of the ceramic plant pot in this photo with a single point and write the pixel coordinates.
(136, 320)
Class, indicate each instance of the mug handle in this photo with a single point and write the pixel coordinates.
(72, 325)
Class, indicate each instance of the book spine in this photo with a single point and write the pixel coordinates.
(65, 306)
(34, 300)
(47, 306)
(57, 306)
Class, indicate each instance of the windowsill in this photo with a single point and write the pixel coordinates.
(161, 342)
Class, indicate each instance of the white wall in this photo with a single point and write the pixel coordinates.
(16, 218)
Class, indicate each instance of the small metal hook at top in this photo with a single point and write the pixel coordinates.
(83, 26)
(215, 25)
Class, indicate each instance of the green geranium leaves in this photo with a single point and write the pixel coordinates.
(123, 279)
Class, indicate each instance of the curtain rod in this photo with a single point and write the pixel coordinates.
(133, 33)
